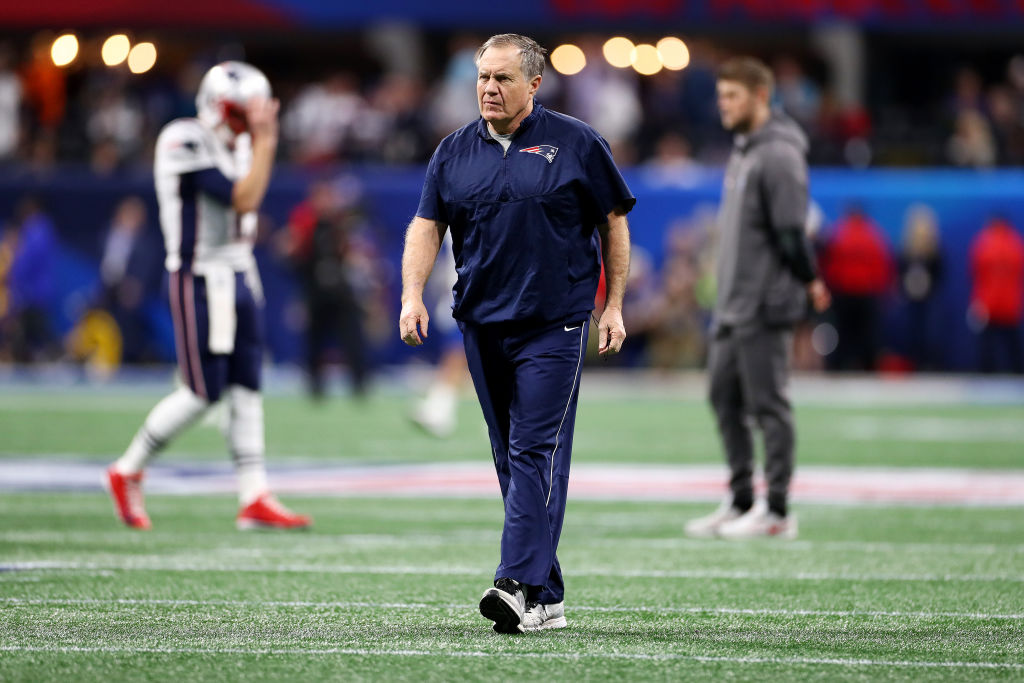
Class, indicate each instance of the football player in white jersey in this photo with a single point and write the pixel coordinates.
(211, 175)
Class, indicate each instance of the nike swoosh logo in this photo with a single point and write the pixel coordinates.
(570, 329)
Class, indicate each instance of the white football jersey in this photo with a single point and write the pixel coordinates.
(199, 228)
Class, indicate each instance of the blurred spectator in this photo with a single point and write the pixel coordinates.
(130, 270)
(30, 284)
(674, 317)
(454, 99)
(858, 269)
(672, 164)
(45, 91)
(114, 127)
(1007, 125)
(394, 127)
(921, 272)
(997, 296)
(967, 92)
(322, 232)
(10, 104)
(799, 96)
(588, 93)
(319, 123)
(972, 143)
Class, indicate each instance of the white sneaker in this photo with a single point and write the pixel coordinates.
(504, 605)
(539, 617)
(436, 421)
(707, 526)
(759, 522)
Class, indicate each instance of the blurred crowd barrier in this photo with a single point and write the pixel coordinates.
(81, 266)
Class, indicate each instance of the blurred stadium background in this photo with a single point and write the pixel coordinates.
(910, 472)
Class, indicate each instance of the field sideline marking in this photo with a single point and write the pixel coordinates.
(474, 571)
(668, 656)
(580, 608)
(431, 540)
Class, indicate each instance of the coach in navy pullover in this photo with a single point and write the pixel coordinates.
(533, 201)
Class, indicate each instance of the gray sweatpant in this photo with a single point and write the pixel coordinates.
(748, 371)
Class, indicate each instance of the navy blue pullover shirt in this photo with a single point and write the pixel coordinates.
(523, 222)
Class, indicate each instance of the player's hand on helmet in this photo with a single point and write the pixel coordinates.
(262, 116)
(413, 321)
(611, 332)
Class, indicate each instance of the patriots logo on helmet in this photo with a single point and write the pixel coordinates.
(546, 151)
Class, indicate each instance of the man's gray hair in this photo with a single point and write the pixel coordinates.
(531, 52)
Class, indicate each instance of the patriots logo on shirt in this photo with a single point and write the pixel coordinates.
(546, 151)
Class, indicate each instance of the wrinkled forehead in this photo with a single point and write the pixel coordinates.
(507, 59)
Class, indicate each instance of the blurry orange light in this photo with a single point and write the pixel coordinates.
(646, 60)
(617, 51)
(142, 58)
(568, 59)
(64, 49)
(674, 53)
(115, 49)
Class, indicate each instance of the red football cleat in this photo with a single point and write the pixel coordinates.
(266, 512)
(126, 490)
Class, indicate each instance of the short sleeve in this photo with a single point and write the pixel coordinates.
(784, 179)
(214, 183)
(607, 186)
(431, 204)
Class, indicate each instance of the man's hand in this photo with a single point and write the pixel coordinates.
(611, 331)
(821, 298)
(262, 117)
(412, 321)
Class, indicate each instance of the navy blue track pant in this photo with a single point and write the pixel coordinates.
(527, 380)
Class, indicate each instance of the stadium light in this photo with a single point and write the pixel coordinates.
(674, 53)
(645, 59)
(142, 57)
(64, 49)
(617, 51)
(115, 49)
(568, 59)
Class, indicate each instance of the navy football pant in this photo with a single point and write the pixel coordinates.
(527, 380)
(206, 373)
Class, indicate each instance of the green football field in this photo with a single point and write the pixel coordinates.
(385, 588)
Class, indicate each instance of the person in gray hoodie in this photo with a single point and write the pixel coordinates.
(765, 273)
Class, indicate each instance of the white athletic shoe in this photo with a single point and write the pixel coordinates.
(539, 617)
(759, 522)
(504, 605)
(438, 421)
(707, 526)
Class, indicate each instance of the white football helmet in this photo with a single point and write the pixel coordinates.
(224, 93)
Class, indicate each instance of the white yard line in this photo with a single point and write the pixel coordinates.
(669, 656)
(618, 609)
(162, 565)
(302, 544)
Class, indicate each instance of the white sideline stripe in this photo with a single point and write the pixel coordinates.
(916, 486)
(668, 656)
(164, 566)
(444, 540)
(575, 608)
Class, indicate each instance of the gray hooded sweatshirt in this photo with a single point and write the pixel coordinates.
(761, 276)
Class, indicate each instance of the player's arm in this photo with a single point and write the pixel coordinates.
(786, 194)
(247, 193)
(615, 253)
(422, 242)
